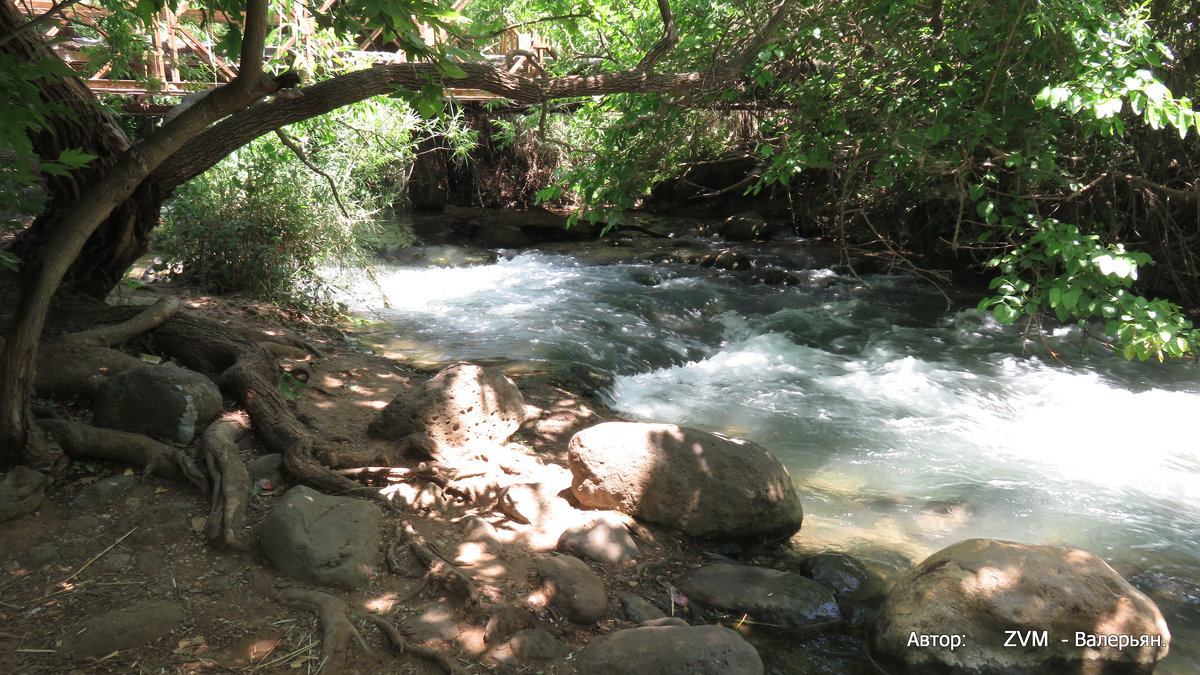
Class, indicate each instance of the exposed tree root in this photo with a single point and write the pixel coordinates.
(114, 334)
(438, 569)
(403, 646)
(230, 482)
(250, 375)
(331, 611)
(83, 440)
(67, 371)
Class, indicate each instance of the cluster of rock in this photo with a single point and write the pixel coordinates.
(979, 606)
(711, 486)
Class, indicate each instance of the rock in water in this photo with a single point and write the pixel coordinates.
(987, 607)
(705, 484)
(670, 650)
(465, 408)
(766, 595)
(859, 591)
(329, 541)
(165, 402)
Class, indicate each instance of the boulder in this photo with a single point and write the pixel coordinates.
(463, 409)
(124, 628)
(705, 484)
(728, 259)
(748, 226)
(323, 540)
(166, 402)
(572, 588)
(766, 595)
(986, 607)
(670, 650)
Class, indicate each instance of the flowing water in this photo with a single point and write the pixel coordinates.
(907, 424)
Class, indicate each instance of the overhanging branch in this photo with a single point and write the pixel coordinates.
(665, 44)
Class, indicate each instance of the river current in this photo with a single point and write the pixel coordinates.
(907, 420)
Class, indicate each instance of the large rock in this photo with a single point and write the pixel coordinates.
(463, 409)
(705, 484)
(670, 650)
(766, 595)
(124, 628)
(989, 607)
(165, 402)
(329, 541)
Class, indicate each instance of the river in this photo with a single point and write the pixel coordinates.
(907, 420)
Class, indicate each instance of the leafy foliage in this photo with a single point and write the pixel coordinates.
(262, 222)
(1021, 136)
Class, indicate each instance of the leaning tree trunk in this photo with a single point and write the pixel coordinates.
(115, 178)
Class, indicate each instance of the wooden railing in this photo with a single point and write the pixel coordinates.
(177, 50)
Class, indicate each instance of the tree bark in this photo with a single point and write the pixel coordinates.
(95, 202)
(109, 209)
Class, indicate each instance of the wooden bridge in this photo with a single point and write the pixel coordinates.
(178, 55)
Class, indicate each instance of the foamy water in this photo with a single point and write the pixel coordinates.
(906, 426)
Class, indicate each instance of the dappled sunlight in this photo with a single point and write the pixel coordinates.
(382, 604)
(992, 581)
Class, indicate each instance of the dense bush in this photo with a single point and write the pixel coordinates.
(269, 220)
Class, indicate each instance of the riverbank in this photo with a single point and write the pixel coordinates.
(110, 539)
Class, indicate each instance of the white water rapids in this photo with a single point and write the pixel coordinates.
(906, 425)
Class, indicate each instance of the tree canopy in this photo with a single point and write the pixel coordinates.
(1049, 141)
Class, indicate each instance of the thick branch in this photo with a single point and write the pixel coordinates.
(666, 43)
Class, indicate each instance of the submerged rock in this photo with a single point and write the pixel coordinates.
(858, 590)
(983, 606)
(768, 596)
(670, 650)
(705, 484)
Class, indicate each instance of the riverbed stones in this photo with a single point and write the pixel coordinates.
(323, 540)
(119, 629)
(670, 650)
(986, 591)
(767, 595)
(463, 410)
(707, 485)
(166, 402)
(572, 588)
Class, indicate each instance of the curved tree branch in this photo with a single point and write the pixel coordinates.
(665, 44)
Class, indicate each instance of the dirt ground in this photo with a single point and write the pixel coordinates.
(62, 565)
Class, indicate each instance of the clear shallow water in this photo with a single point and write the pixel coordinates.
(906, 426)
